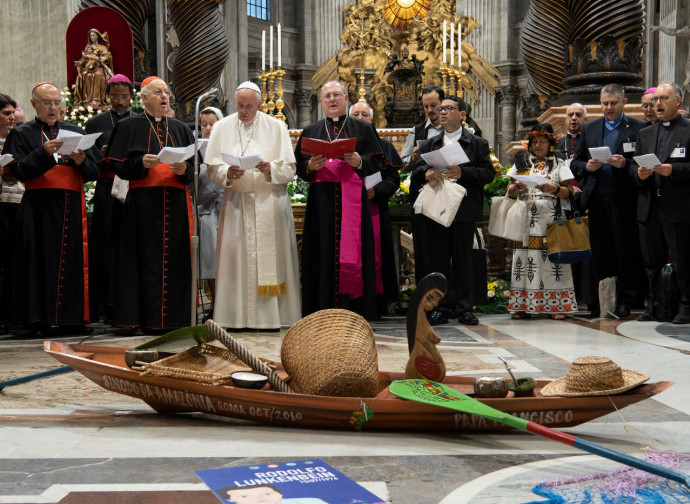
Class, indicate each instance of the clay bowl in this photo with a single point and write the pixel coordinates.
(245, 379)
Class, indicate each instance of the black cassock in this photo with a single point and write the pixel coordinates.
(383, 191)
(321, 239)
(104, 233)
(50, 277)
(154, 279)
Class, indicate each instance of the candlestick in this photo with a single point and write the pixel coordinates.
(270, 106)
(270, 51)
(459, 46)
(444, 73)
(263, 50)
(280, 45)
(452, 58)
(264, 105)
(279, 93)
(444, 42)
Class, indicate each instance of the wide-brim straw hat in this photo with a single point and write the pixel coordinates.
(594, 376)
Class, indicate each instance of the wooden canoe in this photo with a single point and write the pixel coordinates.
(106, 367)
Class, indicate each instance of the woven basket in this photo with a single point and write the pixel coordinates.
(204, 363)
(332, 353)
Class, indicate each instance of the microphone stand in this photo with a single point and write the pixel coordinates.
(195, 234)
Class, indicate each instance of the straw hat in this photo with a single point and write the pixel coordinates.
(594, 376)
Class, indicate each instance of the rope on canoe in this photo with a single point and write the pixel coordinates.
(246, 356)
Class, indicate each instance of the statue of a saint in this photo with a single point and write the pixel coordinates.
(681, 34)
(94, 69)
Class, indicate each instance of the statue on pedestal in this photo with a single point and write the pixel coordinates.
(95, 68)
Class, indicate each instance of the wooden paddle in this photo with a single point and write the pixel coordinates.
(179, 339)
(438, 394)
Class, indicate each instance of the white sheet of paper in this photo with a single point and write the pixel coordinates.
(648, 161)
(245, 163)
(71, 141)
(602, 154)
(5, 159)
(450, 155)
(372, 180)
(531, 181)
(170, 155)
(420, 142)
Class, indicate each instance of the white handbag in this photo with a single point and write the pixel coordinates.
(440, 203)
(120, 188)
(508, 218)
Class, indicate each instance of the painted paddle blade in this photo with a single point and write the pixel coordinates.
(438, 394)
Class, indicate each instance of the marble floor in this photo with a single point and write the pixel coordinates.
(65, 440)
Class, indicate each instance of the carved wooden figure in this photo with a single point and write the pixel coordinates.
(425, 360)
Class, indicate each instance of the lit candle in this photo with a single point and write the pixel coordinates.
(279, 46)
(444, 42)
(263, 50)
(270, 49)
(452, 36)
(459, 46)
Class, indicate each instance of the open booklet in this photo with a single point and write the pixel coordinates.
(450, 155)
(647, 161)
(72, 141)
(330, 150)
(244, 162)
(170, 155)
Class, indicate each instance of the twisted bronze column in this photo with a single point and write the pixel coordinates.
(203, 52)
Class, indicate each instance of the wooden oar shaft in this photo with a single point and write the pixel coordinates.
(36, 376)
(246, 356)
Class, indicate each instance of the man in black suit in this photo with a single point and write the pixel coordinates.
(609, 194)
(664, 191)
(575, 117)
(455, 242)
(432, 96)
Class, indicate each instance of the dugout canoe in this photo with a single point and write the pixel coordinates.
(106, 367)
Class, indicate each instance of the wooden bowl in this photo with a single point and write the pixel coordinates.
(131, 356)
(245, 379)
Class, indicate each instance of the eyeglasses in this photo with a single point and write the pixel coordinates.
(333, 96)
(646, 105)
(120, 96)
(48, 103)
(662, 99)
(447, 108)
(161, 92)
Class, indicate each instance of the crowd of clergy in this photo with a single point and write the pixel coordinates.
(132, 265)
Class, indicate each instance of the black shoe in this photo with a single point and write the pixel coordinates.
(646, 316)
(468, 318)
(622, 311)
(436, 317)
(683, 316)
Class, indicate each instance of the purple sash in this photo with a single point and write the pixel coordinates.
(376, 221)
(350, 238)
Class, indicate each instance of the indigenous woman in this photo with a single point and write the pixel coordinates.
(538, 285)
(95, 68)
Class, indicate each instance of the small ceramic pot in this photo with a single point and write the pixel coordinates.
(523, 387)
(489, 386)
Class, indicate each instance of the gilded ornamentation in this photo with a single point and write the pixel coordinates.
(366, 26)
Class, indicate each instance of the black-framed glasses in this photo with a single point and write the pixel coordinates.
(447, 108)
(120, 96)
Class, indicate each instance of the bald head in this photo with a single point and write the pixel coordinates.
(46, 100)
(575, 116)
(363, 111)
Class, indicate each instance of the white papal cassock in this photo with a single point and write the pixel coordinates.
(257, 275)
